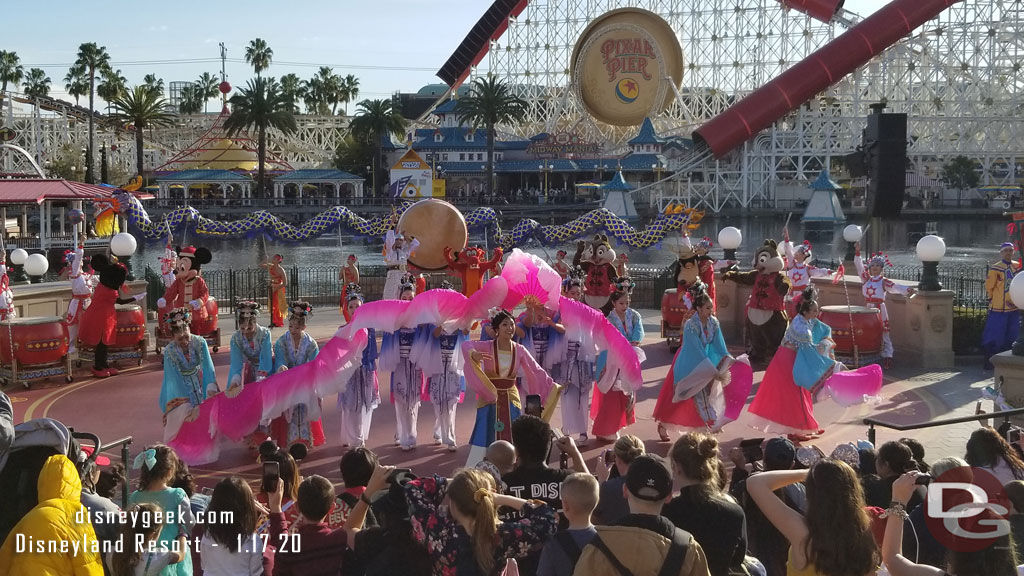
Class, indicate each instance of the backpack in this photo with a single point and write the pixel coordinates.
(677, 551)
(568, 545)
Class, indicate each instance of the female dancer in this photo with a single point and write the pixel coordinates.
(362, 394)
(493, 367)
(785, 398)
(875, 287)
(576, 374)
(799, 272)
(614, 410)
(349, 274)
(188, 375)
(693, 395)
(396, 255)
(439, 353)
(293, 348)
(279, 288)
(572, 287)
(252, 357)
(406, 378)
(541, 332)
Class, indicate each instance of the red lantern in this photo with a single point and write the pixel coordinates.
(224, 87)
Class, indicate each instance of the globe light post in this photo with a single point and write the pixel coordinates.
(36, 266)
(123, 246)
(930, 250)
(18, 257)
(730, 238)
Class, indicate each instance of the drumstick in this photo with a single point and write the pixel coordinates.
(786, 225)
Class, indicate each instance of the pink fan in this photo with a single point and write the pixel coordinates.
(622, 358)
(195, 442)
(856, 386)
(531, 281)
(738, 391)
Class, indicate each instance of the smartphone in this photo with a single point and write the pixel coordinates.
(534, 406)
(271, 476)
(923, 480)
(207, 491)
(609, 457)
(557, 434)
(752, 449)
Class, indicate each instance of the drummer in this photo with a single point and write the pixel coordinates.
(397, 250)
(875, 288)
(799, 271)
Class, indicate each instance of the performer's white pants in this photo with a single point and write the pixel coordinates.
(73, 338)
(355, 426)
(575, 410)
(886, 345)
(444, 421)
(392, 284)
(405, 416)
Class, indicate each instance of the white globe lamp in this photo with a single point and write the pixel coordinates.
(730, 238)
(123, 245)
(851, 234)
(18, 257)
(930, 250)
(36, 266)
(1017, 295)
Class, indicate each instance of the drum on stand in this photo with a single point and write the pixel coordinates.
(674, 314)
(205, 327)
(34, 348)
(866, 332)
(437, 225)
(129, 338)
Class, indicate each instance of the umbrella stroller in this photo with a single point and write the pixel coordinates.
(34, 442)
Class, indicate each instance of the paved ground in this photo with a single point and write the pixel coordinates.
(127, 405)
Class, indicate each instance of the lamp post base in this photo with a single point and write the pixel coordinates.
(930, 278)
(730, 254)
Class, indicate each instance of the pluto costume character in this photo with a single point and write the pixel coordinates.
(596, 261)
(471, 265)
(766, 319)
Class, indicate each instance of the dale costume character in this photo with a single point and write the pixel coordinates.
(397, 250)
(300, 424)
(278, 290)
(875, 287)
(706, 387)
(252, 357)
(189, 379)
(361, 395)
(99, 321)
(349, 275)
(491, 370)
(471, 265)
(799, 272)
(805, 370)
(596, 260)
(407, 382)
(1003, 322)
(81, 293)
(6, 295)
(615, 409)
(189, 289)
(766, 320)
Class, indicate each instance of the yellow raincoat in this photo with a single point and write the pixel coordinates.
(53, 520)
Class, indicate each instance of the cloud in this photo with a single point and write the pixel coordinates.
(160, 28)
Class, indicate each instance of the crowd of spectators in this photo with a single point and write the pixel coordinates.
(782, 510)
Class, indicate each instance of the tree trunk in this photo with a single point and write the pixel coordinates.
(92, 125)
(490, 159)
(3, 92)
(139, 152)
(261, 154)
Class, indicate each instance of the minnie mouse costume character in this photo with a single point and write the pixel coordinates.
(99, 320)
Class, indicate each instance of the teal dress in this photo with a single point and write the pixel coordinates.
(171, 501)
(812, 340)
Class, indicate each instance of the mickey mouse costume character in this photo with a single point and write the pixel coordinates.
(470, 264)
(99, 320)
(596, 261)
(189, 289)
(766, 318)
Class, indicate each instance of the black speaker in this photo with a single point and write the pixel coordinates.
(855, 164)
(885, 148)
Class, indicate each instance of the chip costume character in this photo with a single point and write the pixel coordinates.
(766, 320)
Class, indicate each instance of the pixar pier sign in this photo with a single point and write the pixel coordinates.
(629, 56)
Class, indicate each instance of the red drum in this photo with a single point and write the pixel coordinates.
(673, 314)
(36, 341)
(867, 329)
(131, 326)
(199, 326)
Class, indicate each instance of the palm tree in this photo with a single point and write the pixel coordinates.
(76, 84)
(314, 95)
(292, 90)
(153, 83)
(259, 54)
(208, 86)
(37, 83)
(92, 59)
(349, 90)
(11, 71)
(260, 105)
(143, 108)
(112, 86)
(490, 102)
(374, 121)
(330, 85)
(192, 99)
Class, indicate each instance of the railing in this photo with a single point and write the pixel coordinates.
(498, 201)
(872, 422)
(126, 457)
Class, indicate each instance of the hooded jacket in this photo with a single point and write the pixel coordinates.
(54, 520)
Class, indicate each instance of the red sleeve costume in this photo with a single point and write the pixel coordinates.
(189, 287)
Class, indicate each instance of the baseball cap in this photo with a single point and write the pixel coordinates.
(100, 459)
(779, 453)
(649, 478)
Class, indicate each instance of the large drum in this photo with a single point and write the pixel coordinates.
(131, 326)
(437, 225)
(199, 326)
(673, 314)
(33, 341)
(867, 329)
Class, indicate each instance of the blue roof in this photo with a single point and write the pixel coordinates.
(314, 175)
(631, 163)
(642, 162)
(824, 182)
(455, 138)
(647, 134)
(446, 108)
(205, 176)
(617, 183)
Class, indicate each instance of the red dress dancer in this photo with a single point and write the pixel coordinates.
(99, 320)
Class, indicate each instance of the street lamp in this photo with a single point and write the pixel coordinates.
(18, 257)
(36, 266)
(545, 168)
(852, 234)
(123, 246)
(730, 238)
(930, 249)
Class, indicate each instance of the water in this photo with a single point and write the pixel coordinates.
(971, 241)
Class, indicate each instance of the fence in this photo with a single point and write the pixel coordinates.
(321, 287)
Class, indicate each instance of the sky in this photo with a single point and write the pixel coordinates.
(390, 45)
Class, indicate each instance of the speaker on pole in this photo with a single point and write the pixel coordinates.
(885, 149)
